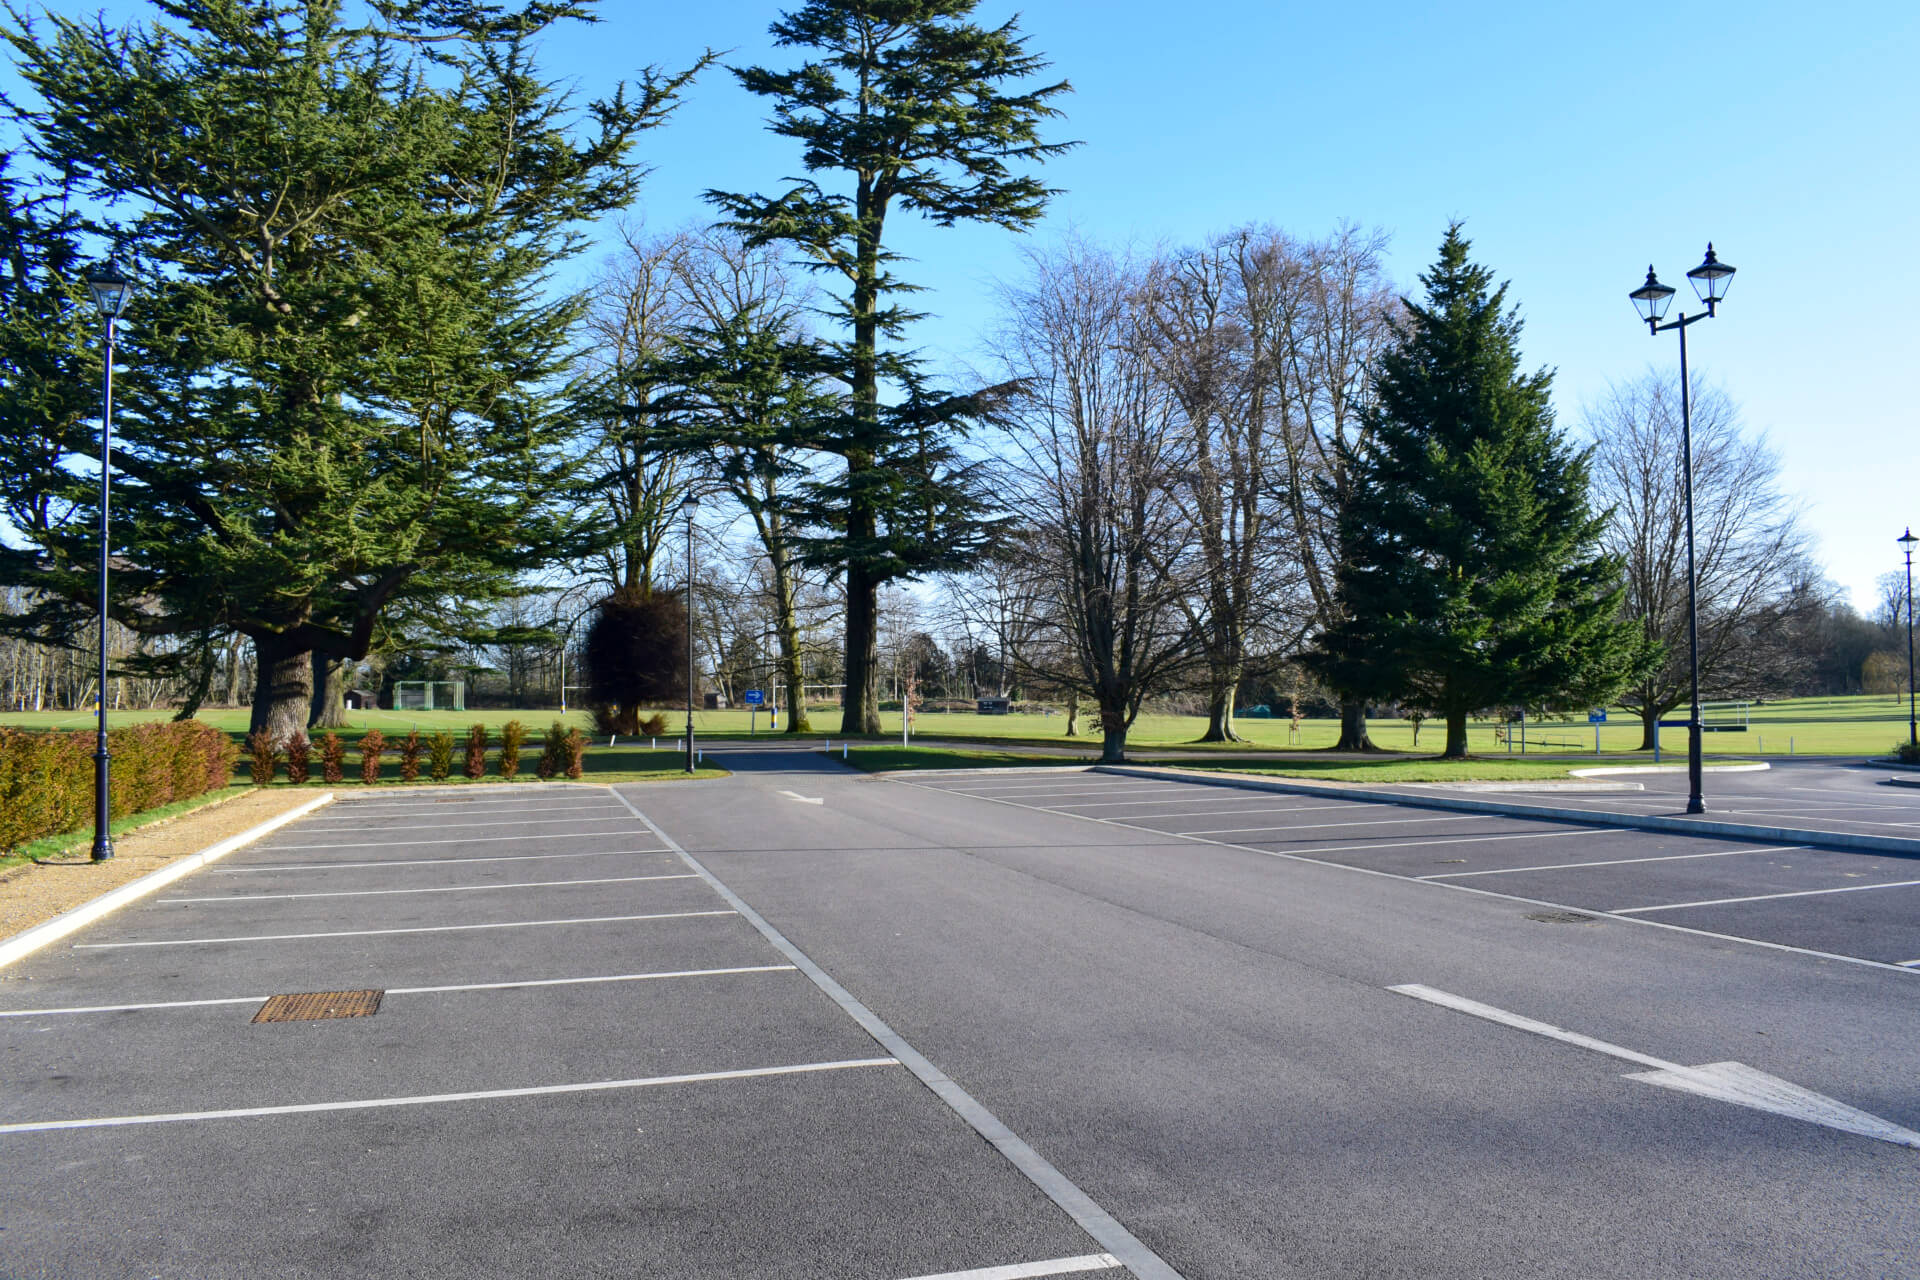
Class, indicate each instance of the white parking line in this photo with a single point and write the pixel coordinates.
(1415, 844)
(408, 844)
(1317, 826)
(1615, 862)
(1221, 813)
(1110, 804)
(1033, 1270)
(1082, 791)
(418, 1100)
(426, 862)
(1763, 897)
(484, 822)
(407, 991)
(369, 933)
(448, 888)
(464, 806)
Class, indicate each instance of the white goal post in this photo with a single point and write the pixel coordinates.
(429, 695)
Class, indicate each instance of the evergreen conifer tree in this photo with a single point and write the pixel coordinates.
(1471, 578)
(905, 106)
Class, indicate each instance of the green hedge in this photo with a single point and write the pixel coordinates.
(46, 779)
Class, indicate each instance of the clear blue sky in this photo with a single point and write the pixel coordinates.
(1579, 142)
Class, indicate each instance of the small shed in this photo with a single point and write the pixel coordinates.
(994, 706)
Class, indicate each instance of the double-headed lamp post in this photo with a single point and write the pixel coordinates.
(1906, 541)
(1710, 280)
(687, 509)
(111, 291)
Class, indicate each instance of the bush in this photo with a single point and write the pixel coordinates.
(1906, 753)
(512, 734)
(263, 757)
(553, 752)
(372, 747)
(333, 757)
(440, 756)
(576, 750)
(46, 779)
(410, 748)
(477, 752)
(299, 757)
(655, 725)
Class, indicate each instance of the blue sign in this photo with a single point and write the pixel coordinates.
(753, 697)
(1597, 716)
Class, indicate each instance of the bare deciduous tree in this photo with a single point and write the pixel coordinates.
(1750, 550)
(1095, 447)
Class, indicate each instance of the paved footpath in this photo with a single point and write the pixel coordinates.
(806, 1023)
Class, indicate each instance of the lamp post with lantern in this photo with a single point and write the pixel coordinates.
(1906, 541)
(687, 509)
(1710, 280)
(111, 291)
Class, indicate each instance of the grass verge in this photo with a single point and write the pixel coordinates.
(886, 759)
(81, 841)
(1428, 769)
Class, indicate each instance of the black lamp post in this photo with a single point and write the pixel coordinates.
(110, 290)
(688, 508)
(1906, 541)
(1710, 280)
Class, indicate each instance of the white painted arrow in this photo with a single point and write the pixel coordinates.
(792, 795)
(1733, 1082)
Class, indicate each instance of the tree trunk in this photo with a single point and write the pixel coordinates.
(282, 688)
(329, 707)
(1073, 713)
(1223, 682)
(202, 683)
(1113, 739)
(234, 665)
(1456, 736)
(787, 625)
(1649, 727)
(862, 704)
(1353, 727)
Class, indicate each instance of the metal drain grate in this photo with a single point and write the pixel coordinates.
(310, 1006)
(1559, 917)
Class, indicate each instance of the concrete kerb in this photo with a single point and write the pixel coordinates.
(1505, 808)
(28, 941)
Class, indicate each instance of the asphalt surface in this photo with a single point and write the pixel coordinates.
(1177, 996)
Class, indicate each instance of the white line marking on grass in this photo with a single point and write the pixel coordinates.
(1034, 1270)
(1615, 862)
(484, 822)
(408, 844)
(426, 862)
(1055, 1185)
(453, 888)
(406, 991)
(369, 933)
(1764, 897)
(419, 1100)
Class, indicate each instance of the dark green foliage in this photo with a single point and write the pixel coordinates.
(904, 106)
(512, 734)
(343, 368)
(410, 749)
(1471, 578)
(263, 758)
(635, 653)
(299, 757)
(477, 752)
(46, 779)
(655, 725)
(440, 756)
(372, 746)
(333, 757)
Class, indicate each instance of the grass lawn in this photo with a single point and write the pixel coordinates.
(1857, 725)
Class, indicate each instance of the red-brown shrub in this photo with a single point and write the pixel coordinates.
(372, 747)
(477, 752)
(333, 757)
(263, 757)
(299, 757)
(410, 748)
